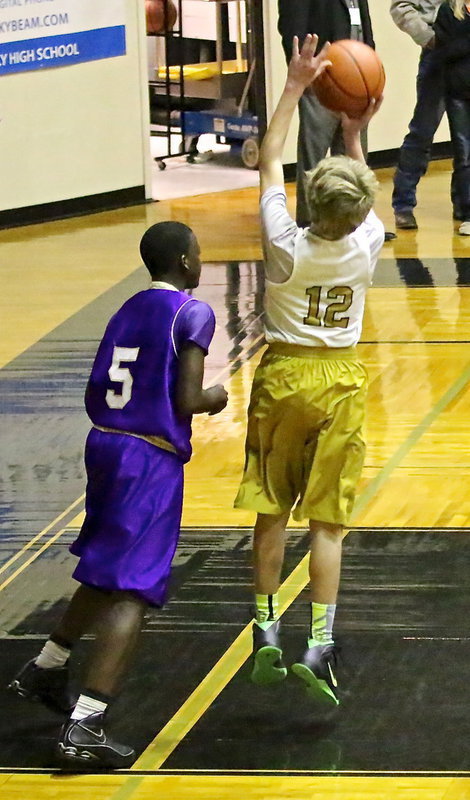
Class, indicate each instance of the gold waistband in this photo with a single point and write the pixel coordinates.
(157, 441)
(301, 351)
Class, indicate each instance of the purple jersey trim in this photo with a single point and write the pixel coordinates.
(193, 322)
(173, 326)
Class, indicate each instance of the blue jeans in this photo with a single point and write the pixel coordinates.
(415, 152)
(458, 112)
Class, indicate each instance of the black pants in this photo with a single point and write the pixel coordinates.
(458, 113)
(319, 131)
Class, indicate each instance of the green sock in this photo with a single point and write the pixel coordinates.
(321, 625)
(267, 609)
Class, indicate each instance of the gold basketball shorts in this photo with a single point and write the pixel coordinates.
(304, 445)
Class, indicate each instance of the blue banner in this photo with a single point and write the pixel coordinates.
(62, 50)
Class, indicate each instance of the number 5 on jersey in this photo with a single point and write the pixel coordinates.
(122, 375)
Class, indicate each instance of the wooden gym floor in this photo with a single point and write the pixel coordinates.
(201, 729)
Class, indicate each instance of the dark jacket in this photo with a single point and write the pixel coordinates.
(453, 40)
(329, 19)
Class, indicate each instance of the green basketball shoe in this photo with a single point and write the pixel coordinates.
(268, 667)
(317, 669)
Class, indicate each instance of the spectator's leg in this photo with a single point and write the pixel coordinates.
(458, 111)
(415, 151)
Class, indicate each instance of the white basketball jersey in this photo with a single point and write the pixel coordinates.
(322, 303)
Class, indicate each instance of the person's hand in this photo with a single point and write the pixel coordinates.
(305, 66)
(218, 398)
(353, 125)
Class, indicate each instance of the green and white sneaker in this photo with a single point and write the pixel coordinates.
(317, 669)
(268, 666)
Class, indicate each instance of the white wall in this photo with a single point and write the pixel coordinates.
(400, 57)
(77, 130)
(83, 129)
(275, 67)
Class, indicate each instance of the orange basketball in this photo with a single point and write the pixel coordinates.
(356, 75)
(155, 15)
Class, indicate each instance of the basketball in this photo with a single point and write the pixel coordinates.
(155, 15)
(356, 75)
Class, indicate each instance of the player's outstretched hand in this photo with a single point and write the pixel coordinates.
(353, 125)
(305, 66)
(217, 397)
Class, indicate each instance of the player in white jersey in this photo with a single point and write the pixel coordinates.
(304, 447)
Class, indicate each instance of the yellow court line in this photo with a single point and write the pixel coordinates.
(233, 787)
(210, 687)
(30, 560)
(214, 682)
(224, 670)
(80, 499)
(40, 535)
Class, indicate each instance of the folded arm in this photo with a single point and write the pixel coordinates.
(408, 16)
(452, 37)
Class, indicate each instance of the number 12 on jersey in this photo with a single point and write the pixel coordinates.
(327, 318)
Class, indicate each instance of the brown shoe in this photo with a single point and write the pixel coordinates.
(405, 220)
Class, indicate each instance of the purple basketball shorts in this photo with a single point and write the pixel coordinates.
(134, 502)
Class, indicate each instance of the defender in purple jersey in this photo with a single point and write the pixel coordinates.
(145, 384)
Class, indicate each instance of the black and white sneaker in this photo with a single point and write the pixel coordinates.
(84, 744)
(48, 686)
(317, 669)
(268, 666)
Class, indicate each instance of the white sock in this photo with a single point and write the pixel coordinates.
(52, 655)
(86, 706)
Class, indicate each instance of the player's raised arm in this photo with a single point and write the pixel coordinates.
(352, 127)
(304, 68)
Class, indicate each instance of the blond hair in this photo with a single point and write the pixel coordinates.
(340, 192)
(458, 7)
